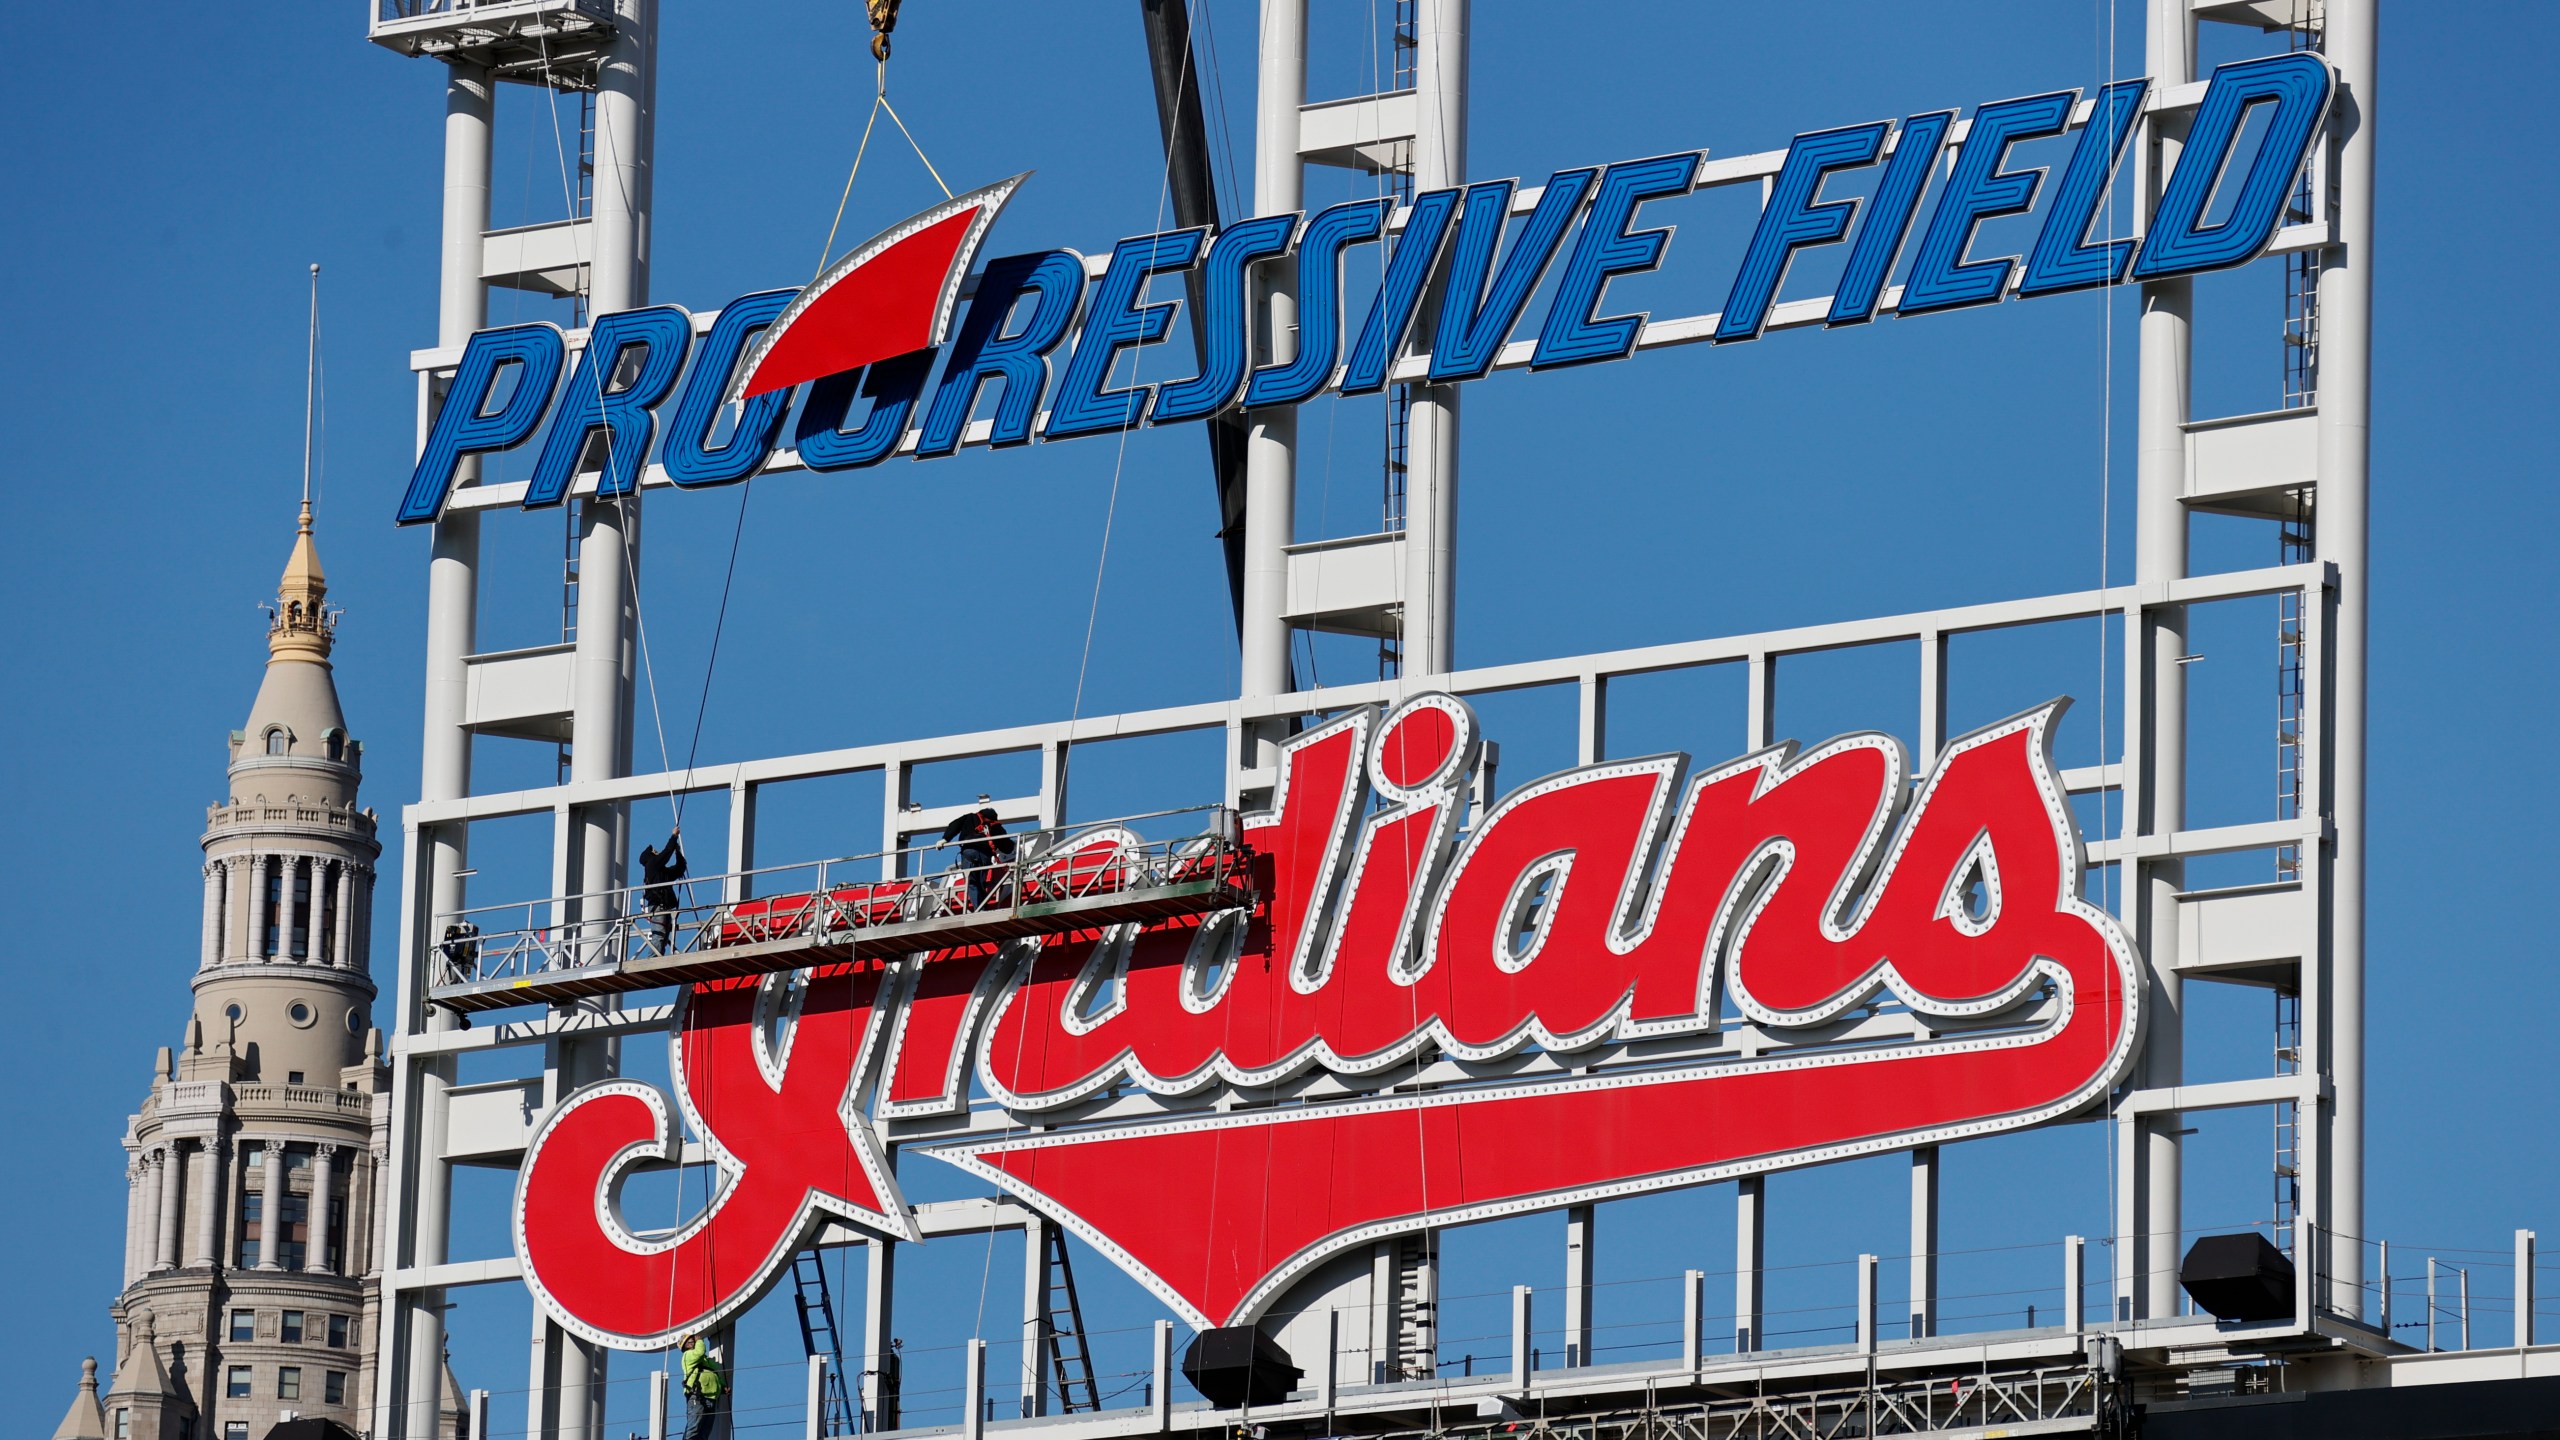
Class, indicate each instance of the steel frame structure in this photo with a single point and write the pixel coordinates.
(2306, 932)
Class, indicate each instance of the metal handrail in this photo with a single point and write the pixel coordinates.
(842, 896)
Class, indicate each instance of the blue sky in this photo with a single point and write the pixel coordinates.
(155, 245)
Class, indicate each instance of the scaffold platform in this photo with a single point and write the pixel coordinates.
(1056, 883)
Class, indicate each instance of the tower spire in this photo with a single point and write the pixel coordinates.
(310, 391)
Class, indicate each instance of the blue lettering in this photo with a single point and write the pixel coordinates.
(1119, 319)
(1793, 220)
(1607, 248)
(1020, 360)
(2063, 259)
(1888, 219)
(749, 445)
(1391, 314)
(1319, 302)
(1474, 322)
(465, 426)
(662, 333)
(890, 385)
(1980, 190)
(1228, 323)
(2180, 243)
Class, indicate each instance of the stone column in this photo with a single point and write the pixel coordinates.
(288, 905)
(208, 1192)
(259, 869)
(211, 950)
(134, 1210)
(338, 951)
(165, 1250)
(315, 1258)
(236, 934)
(271, 1210)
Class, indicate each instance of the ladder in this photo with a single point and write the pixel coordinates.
(818, 1337)
(2295, 542)
(1417, 1280)
(1062, 1328)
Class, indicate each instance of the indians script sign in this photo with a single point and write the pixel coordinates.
(1617, 979)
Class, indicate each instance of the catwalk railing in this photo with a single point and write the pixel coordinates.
(851, 908)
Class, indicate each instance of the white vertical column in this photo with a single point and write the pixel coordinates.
(879, 1293)
(259, 870)
(207, 1189)
(1750, 1232)
(1924, 1242)
(609, 539)
(1035, 1315)
(411, 1379)
(146, 1216)
(134, 1212)
(2524, 1292)
(1867, 1290)
(1577, 1285)
(973, 1392)
(210, 950)
(1271, 435)
(171, 1199)
(315, 1258)
(2344, 468)
(271, 1208)
(339, 953)
(288, 904)
(2075, 1280)
(1431, 449)
(238, 908)
(1524, 1335)
(2160, 556)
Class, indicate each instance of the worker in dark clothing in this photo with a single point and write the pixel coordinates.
(660, 868)
(983, 844)
(461, 952)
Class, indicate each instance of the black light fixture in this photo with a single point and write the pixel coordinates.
(1239, 1365)
(2238, 1277)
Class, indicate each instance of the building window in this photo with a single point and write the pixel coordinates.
(236, 1383)
(292, 1332)
(301, 1015)
(294, 1230)
(337, 746)
(334, 1388)
(244, 1325)
(235, 1430)
(337, 1332)
(252, 1203)
(336, 1259)
(289, 1382)
(276, 742)
(296, 1159)
(124, 1423)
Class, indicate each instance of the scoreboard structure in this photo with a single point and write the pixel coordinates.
(1260, 1053)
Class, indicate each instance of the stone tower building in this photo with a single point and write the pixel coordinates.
(250, 1270)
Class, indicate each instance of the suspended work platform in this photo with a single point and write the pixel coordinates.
(1061, 883)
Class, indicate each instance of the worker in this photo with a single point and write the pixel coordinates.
(660, 868)
(982, 841)
(706, 1390)
(461, 952)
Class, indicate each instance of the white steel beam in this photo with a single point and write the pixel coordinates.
(2346, 402)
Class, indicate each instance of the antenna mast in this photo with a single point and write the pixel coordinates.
(310, 374)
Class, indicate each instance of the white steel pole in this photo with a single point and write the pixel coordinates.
(1271, 435)
(609, 540)
(2160, 556)
(603, 667)
(2344, 428)
(412, 1380)
(2523, 1289)
(1431, 451)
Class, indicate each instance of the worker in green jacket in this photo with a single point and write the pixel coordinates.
(706, 1390)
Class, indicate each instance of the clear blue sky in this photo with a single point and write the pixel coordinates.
(170, 180)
